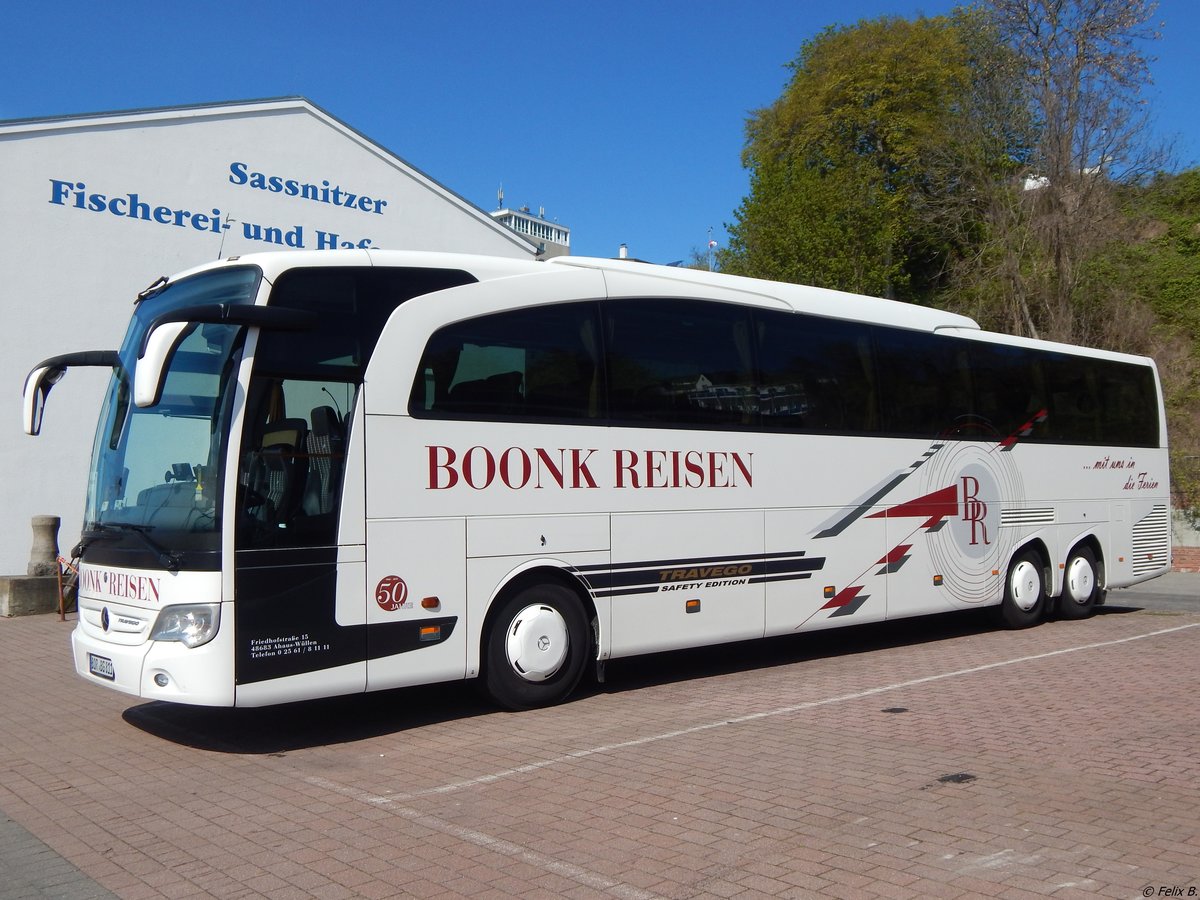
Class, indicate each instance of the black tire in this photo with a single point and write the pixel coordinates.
(1081, 585)
(536, 648)
(1024, 592)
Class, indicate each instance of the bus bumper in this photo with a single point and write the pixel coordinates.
(129, 662)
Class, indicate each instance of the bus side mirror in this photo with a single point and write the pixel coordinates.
(151, 369)
(48, 373)
(37, 388)
(165, 333)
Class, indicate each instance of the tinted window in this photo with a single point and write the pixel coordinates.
(539, 363)
(353, 305)
(1074, 409)
(1096, 401)
(1128, 404)
(1009, 390)
(924, 384)
(680, 362)
(816, 374)
(717, 365)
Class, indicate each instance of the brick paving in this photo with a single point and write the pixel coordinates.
(938, 758)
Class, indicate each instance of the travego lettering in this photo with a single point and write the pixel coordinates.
(714, 571)
(517, 468)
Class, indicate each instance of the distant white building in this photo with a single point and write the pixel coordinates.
(97, 206)
(551, 238)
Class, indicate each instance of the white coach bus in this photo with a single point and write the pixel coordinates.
(342, 471)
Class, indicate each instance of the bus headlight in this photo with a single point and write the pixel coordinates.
(191, 625)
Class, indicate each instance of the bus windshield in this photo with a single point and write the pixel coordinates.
(156, 472)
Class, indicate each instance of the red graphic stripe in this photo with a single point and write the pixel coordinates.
(1024, 431)
(843, 597)
(932, 507)
(895, 555)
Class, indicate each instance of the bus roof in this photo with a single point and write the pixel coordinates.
(802, 298)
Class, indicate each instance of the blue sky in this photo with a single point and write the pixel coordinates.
(624, 120)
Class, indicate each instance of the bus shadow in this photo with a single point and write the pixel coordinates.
(310, 723)
(356, 717)
(637, 672)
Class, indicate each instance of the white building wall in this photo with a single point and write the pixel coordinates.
(73, 258)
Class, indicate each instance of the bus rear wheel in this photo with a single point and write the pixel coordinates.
(1081, 585)
(1024, 592)
(536, 648)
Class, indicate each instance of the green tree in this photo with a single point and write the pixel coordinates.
(829, 229)
(851, 174)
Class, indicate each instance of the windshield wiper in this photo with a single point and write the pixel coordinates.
(102, 530)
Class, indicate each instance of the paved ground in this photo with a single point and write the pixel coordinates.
(1177, 591)
(937, 758)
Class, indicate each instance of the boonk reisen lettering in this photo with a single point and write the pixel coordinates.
(119, 585)
(517, 468)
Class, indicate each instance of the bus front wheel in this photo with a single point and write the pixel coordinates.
(1081, 585)
(537, 647)
(1024, 592)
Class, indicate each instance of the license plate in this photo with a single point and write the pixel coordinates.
(101, 667)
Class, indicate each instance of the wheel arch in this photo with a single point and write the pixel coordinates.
(1038, 546)
(538, 572)
(1092, 542)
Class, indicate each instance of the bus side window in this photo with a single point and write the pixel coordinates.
(487, 380)
(1128, 404)
(926, 391)
(680, 362)
(1074, 407)
(1008, 389)
(816, 374)
(527, 364)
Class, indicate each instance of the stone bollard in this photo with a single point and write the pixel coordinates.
(43, 557)
(37, 592)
